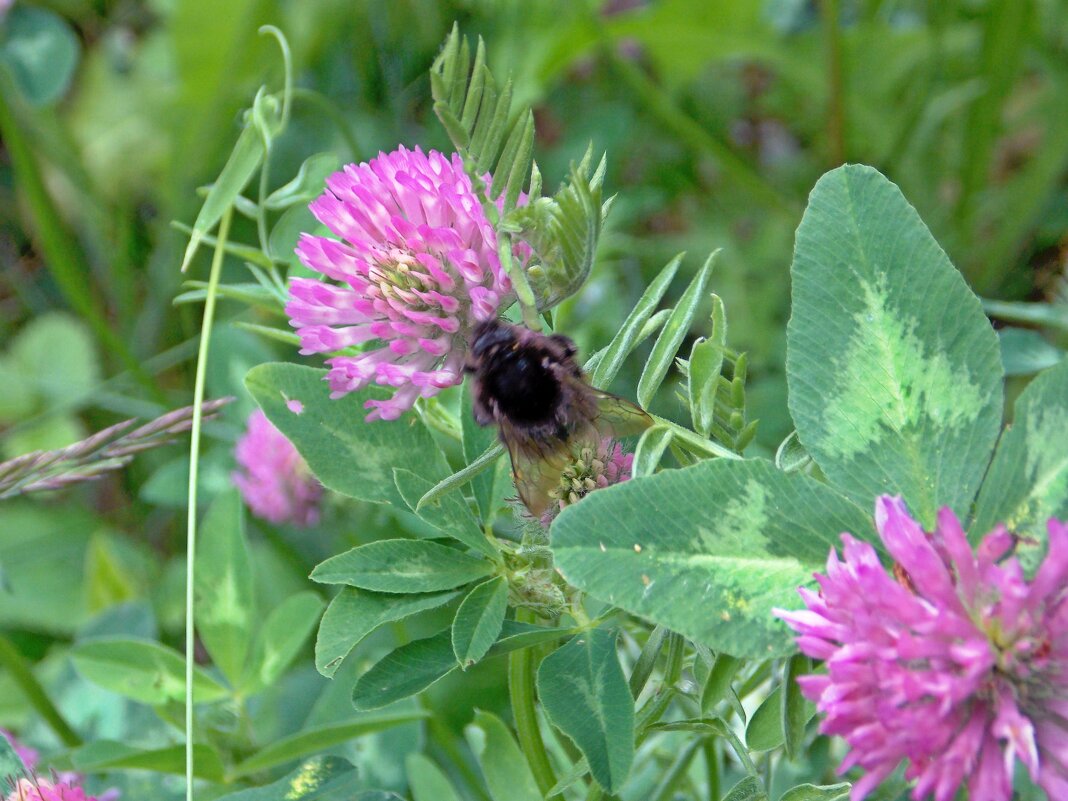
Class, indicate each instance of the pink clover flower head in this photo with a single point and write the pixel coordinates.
(42, 790)
(416, 268)
(592, 469)
(274, 480)
(953, 661)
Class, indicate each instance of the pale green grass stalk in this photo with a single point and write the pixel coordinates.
(194, 462)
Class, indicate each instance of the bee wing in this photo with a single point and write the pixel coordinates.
(536, 467)
(618, 418)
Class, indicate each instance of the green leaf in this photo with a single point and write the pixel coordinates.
(671, 336)
(417, 665)
(354, 614)
(108, 755)
(706, 364)
(748, 789)
(650, 450)
(486, 461)
(894, 372)
(402, 566)
(1025, 352)
(719, 680)
(449, 513)
(476, 440)
(480, 121)
(707, 551)
(585, 695)
(1028, 479)
(405, 671)
(236, 173)
(791, 455)
(320, 738)
(764, 731)
(796, 711)
(812, 792)
(345, 453)
(225, 599)
(54, 354)
(283, 634)
(479, 620)
(626, 339)
(504, 767)
(306, 185)
(563, 232)
(285, 234)
(427, 782)
(11, 766)
(318, 779)
(142, 670)
(40, 50)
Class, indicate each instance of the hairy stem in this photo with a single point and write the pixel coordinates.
(521, 691)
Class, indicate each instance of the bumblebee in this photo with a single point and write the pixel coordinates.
(531, 386)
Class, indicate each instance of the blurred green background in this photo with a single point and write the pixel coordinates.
(717, 116)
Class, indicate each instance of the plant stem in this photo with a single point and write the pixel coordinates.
(521, 691)
(676, 652)
(712, 763)
(22, 674)
(194, 464)
(830, 13)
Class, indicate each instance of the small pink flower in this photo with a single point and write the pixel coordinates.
(416, 268)
(959, 666)
(275, 483)
(591, 470)
(42, 790)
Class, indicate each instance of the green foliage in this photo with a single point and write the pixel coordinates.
(103, 755)
(353, 614)
(765, 731)
(280, 639)
(446, 512)
(731, 541)
(318, 779)
(503, 766)
(41, 51)
(427, 782)
(420, 663)
(796, 711)
(225, 601)
(319, 738)
(1028, 479)
(717, 130)
(402, 566)
(748, 789)
(346, 454)
(894, 372)
(479, 118)
(811, 792)
(672, 334)
(479, 620)
(142, 670)
(585, 695)
(626, 339)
